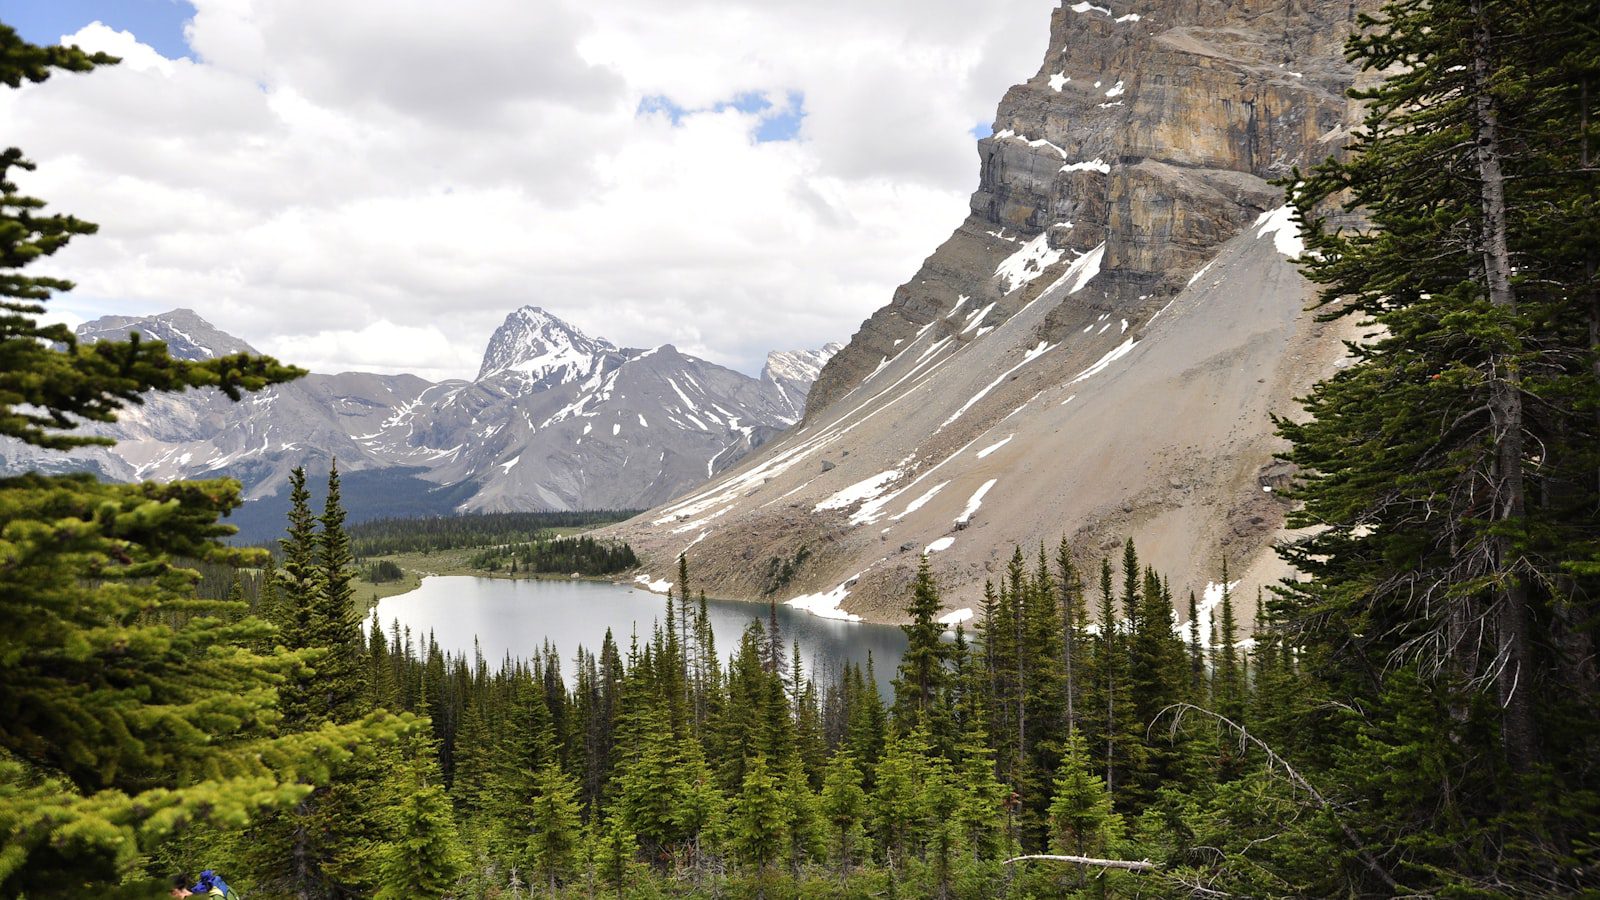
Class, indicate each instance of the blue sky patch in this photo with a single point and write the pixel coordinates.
(777, 123)
(657, 104)
(158, 23)
(982, 130)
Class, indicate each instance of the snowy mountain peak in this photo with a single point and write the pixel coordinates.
(792, 372)
(186, 335)
(542, 349)
(798, 365)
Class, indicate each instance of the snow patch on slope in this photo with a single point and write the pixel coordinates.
(826, 604)
(861, 491)
(976, 502)
(1285, 233)
(1028, 263)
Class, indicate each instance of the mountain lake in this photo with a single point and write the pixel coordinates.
(516, 617)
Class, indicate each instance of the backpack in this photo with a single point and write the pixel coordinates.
(212, 885)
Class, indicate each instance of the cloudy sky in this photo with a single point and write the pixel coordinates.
(373, 184)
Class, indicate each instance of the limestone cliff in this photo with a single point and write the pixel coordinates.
(1153, 127)
(1095, 353)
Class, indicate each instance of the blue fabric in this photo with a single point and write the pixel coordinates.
(210, 880)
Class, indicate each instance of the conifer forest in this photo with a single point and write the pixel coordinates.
(1415, 714)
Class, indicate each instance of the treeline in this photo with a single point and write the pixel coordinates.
(582, 555)
(666, 769)
(386, 537)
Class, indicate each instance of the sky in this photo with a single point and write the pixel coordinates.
(373, 185)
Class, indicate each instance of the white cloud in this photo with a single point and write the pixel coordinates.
(373, 185)
(370, 349)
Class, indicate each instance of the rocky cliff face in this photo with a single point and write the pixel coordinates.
(554, 420)
(1153, 128)
(1095, 352)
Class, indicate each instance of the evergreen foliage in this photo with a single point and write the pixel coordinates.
(132, 712)
(389, 536)
(1451, 470)
(559, 556)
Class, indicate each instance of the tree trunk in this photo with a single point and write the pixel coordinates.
(1505, 405)
(1111, 729)
(1019, 630)
(1069, 645)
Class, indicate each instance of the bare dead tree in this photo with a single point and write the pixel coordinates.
(1274, 761)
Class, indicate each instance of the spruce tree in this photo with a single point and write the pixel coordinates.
(1074, 618)
(1230, 683)
(1082, 822)
(803, 815)
(760, 821)
(844, 810)
(128, 709)
(1158, 678)
(555, 829)
(897, 800)
(424, 857)
(339, 676)
(1451, 467)
(1116, 730)
(616, 852)
(920, 683)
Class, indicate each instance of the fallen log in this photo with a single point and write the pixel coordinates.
(1143, 865)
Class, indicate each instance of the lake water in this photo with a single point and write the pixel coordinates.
(516, 617)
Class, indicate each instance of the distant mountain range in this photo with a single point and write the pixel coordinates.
(555, 420)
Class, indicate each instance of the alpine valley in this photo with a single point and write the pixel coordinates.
(555, 420)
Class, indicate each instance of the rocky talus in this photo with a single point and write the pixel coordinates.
(1097, 349)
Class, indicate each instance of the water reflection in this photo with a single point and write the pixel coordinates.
(517, 617)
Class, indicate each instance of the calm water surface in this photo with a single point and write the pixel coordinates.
(517, 617)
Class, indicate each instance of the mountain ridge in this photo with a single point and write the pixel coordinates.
(556, 420)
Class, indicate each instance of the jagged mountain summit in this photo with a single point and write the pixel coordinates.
(555, 420)
(543, 351)
(792, 372)
(1094, 353)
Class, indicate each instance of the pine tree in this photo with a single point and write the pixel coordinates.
(127, 708)
(424, 858)
(920, 683)
(844, 807)
(760, 825)
(555, 829)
